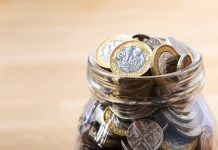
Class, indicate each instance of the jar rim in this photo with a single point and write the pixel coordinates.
(193, 52)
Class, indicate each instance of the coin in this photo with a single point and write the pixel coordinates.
(184, 61)
(105, 49)
(125, 145)
(174, 141)
(159, 118)
(108, 119)
(153, 43)
(141, 37)
(144, 134)
(183, 108)
(165, 60)
(142, 112)
(185, 118)
(131, 59)
(180, 124)
(206, 139)
(190, 133)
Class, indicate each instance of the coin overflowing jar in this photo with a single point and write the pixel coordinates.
(146, 95)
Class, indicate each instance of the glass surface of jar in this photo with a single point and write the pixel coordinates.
(148, 112)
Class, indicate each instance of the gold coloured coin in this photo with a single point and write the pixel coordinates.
(104, 50)
(165, 60)
(131, 58)
(108, 119)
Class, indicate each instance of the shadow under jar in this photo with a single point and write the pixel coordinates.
(164, 112)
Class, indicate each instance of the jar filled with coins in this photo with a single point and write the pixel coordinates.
(146, 95)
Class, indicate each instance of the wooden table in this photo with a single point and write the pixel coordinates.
(43, 57)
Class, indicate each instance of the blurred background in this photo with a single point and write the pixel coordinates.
(44, 45)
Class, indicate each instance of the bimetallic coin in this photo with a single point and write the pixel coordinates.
(105, 49)
(131, 59)
(184, 61)
(141, 37)
(153, 43)
(145, 134)
(174, 141)
(165, 60)
(109, 118)
(206, 139)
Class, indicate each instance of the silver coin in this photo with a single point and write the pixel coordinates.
(185, 118)
(159, 118)
(183, 111)
(127, 108)
(131, 59)
(179, 124)
(153, 43)
(132, 115)
(191, 133)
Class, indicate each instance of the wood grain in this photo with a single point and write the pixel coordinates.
(43, 57)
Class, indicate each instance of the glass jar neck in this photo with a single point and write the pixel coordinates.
(162, 89)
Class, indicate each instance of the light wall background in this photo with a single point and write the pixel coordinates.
(44, 46)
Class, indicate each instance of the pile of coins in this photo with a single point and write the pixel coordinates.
(178, 125)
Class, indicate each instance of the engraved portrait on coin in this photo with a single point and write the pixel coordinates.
(167, 63)
(105, 49)
(131, 58)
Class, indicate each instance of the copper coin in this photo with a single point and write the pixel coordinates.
(184, 61)
(145, 135)
(141, 37)
(206, 139)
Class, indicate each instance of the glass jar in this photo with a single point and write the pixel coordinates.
(163, 112)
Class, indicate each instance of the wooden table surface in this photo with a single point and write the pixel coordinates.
(44, 46)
